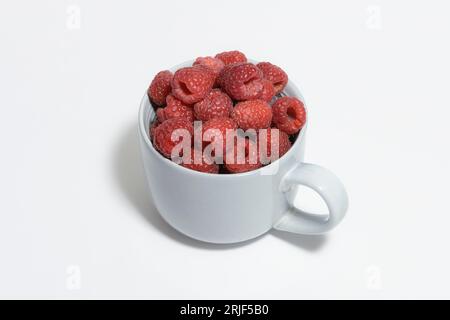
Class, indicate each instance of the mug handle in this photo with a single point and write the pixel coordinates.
(328, 186)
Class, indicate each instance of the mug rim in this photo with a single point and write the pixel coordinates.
(145, 135)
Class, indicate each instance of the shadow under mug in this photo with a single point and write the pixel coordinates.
(230, 208)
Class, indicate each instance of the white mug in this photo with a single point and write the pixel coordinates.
(230, 208)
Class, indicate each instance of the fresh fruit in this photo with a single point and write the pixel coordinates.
(175, 109)
(192, 84)
(214, 64)
(252, 114)
(243, 157)
(242, 81)
(273, 149)
(216, 104)
(201, 162)
(289, 114)
(274, 74)
(152, 128)
(268, 91)
(163, 135)
(229, 57)
(215, 133)
(221, 77)
(160, 87)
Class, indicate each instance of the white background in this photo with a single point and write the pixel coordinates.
(75, 217)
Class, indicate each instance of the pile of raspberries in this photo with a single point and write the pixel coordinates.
(224, 92)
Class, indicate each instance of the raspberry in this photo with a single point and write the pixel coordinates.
(289, 114)
(160, 87)
(268, 91)
(242, 81)
(229, 57)
(163, 134)
(207, 70)
(214, 64)
(152, 128)
(215, 105)
(274, 74)
(192, 84)
(220, 78)
(284, 144)
(205, 164)
(248, 160)
(252, 114)
(213, 127)
(175, 109)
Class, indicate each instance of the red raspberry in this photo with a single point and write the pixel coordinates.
(289, 114)
(274, 74)
(192, 84)
(160, 87)
(242, 81)
(214, 64)
(249, 160)
(215, 105)
(163, 134)
(153, 127)
(205, 163)
(229, 57)
(284, 144)
(268, 91)
(213, 127)
(205, 69)
(252, 114)
(175, 109)
(220, 78)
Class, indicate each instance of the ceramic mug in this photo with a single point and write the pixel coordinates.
(230, 208)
